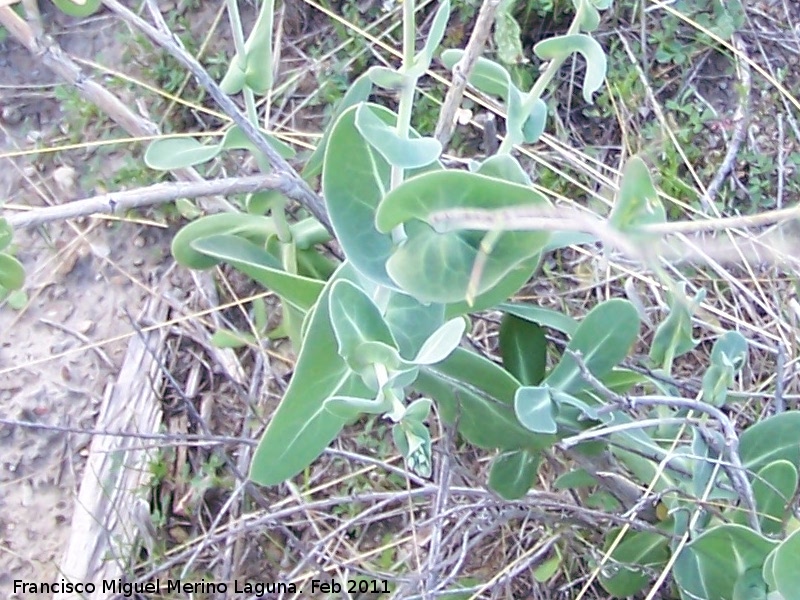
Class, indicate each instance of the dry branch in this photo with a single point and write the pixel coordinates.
(120, 202)
(299, 190)
(462, 70)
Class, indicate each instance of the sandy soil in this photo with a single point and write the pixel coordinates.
(58, 354)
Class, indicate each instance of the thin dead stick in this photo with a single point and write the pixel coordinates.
(119, 202)
(741, 118)
(643, 244)
(297, 188)
(462, 70)
(62, 64)
(535, 217)
(51, 55)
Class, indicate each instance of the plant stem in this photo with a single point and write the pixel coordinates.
(406, 103)
(409, 84)
(543, 81)
(235, 20)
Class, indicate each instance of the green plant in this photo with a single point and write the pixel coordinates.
(425, 247)
(12, 274)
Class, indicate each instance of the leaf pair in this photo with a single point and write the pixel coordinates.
(166, 154)
(253, 70)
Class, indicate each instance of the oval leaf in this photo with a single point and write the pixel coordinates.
(166, 154)
(356, 320)
(441, 342)
(398, 152)
(513, 473)
(301, 428)
(709, 566)
(534, 409)
(488, 76)
(441, 266)
(774, 438)
(559, 48)
(773, 488)
(784, 566)
(604, 338)
(523, 347)
(12, 273)
(78, 8)
(478, 395)
(354, 180)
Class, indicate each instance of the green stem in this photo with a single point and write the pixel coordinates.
(407, 92)
(235, 20)
(543, 81)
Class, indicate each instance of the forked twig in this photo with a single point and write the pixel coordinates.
(297, 188)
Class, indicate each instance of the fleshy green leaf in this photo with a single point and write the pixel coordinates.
(78, 8)
(523, 347)
(225, 338)
(301, 428)
(165, 154)
(637, 202)
(575, 479)
(773, 488)
(235, 139)
(6, 233)
(358, 92)
(17, 299)
(354, 180)
(750, 585)
(418, 410)
(348, 408)
(560, 47)
(637, 553)
(411, 322)
(709, 566)
(300, 292)
(386, 78)
(438, 28)
(507, 34)
(730, 350)
(512, 282)
(12, 273)
(534, 409)
(488, 76)
(251, 227)
(513, 473)
(478, 395)
(441, 343)
(604, 338)
(399, 152)
(774, 438)
(674, 335)
(534, 125)
(505, 167)
(438, 266)
(784, 566)
(254, 69)
(355, 320)
(716, 381)
(545, 317)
